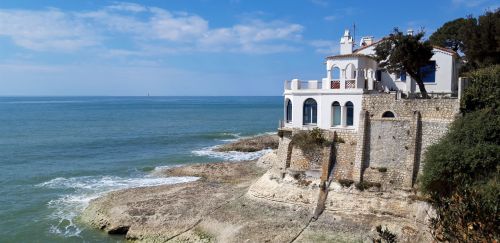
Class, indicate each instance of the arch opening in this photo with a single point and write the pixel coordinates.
(388, 114)
(288, 112)
(310, 112)
(336, 114)
(349, 113)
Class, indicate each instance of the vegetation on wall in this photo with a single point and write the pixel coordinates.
(309, 140)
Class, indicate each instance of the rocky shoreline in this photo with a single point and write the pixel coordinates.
(233, 202)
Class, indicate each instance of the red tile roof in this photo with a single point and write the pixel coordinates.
(348, 55)
(435, 47)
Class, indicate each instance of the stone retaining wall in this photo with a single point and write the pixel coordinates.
(388, 151)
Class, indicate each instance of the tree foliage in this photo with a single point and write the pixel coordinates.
(405, 53)
(477, 38)
(483, 90)
(482, 47)
(461, 175)
(451, 35)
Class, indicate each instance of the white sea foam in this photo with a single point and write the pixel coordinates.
(230, 155)
(86, 188)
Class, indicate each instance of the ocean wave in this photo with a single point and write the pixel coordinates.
(221, 136)
(230, 155)
(67, 207)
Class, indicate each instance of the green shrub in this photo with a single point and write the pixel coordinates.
(346, 182)
(483, 90)
(366, 184)
(385, 235)
(339, 139)
(461, 177)
(309, 141)
(382, 169)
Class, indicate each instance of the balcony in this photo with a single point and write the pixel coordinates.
(324, 85)
(296, 84)
(350, 84)
(335, 84)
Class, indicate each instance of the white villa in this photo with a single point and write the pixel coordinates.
(335, 102)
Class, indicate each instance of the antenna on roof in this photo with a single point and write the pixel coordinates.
(354, 33)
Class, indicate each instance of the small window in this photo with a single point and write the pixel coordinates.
(350, 113)
(336, 114)
(428, 72)
(388, 114)
(288, 111)
(402, 76)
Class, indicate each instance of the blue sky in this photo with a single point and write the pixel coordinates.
(191, 47)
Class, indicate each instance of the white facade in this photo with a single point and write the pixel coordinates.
(335, 102)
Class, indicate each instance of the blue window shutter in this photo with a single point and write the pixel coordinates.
(378, 75)
(428, 72)
(403, 76)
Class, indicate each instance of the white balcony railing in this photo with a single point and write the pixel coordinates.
(350, 84)
(296, 84)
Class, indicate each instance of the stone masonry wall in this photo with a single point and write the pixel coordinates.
(388, 143)
(393, 147)
(345, 152)
(393, 142)
(432, 131)
(430, 109)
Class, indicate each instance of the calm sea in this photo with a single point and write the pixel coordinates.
(57, 153)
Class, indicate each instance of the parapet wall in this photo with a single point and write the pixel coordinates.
(430, 109)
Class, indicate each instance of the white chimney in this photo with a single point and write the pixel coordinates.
(346, 43)
(366, 41)
(409, 32)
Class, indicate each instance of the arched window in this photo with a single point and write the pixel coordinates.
(336, 73)
(288, 111)
(350, 113)
(336, 114)
(388, 114)
(310, 112)
(350, 71)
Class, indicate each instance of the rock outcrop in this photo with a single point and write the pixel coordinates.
(251, 144)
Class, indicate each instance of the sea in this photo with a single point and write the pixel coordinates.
(58, 153)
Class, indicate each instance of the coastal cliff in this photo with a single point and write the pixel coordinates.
(250, 201)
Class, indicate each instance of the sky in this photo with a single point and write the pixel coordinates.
(191, 47)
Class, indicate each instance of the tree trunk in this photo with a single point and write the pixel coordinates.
(421, 85)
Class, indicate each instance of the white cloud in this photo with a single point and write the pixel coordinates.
(45, 30)
(130, 7)
(52, 29)
(331, 17)
(325, 46)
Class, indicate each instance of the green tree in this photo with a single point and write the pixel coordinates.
(462, 177)
(483, 90)
(405, 53)
(477, 38)
(451, 35)
(482, 48)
